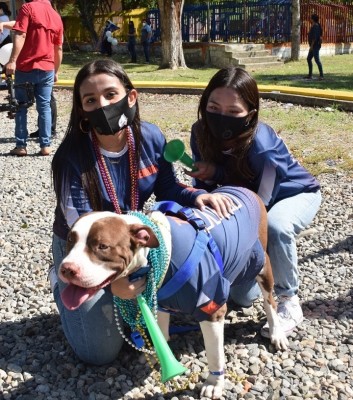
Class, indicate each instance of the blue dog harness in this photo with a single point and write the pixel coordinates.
(203, 240)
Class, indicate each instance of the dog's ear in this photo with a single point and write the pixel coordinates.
(143, 236)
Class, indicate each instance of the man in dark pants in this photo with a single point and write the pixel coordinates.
(54, 115)
(131, 46)
(314, 39)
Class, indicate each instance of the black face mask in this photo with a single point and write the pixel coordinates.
(110, 119)
(223, 127)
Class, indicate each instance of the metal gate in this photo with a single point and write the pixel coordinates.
(263, 21)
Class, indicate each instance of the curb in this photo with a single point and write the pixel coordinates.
(342, 100)
(308, 101)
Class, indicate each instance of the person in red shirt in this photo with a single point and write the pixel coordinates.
(36, 57)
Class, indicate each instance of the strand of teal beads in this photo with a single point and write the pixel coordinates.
(157, 258)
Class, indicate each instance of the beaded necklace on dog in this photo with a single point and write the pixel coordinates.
(158, 258)
(107, 180)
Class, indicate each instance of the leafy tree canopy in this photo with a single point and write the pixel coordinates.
(131, 4)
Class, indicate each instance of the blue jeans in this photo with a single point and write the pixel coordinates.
(91, 329)
(286, 219)
(146, 50)
(314, 53)
(131, 46)
(43, 82)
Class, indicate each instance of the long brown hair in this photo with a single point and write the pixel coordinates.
(210, 148)
(76, 144)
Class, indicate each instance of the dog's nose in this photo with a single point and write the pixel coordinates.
(69, 270)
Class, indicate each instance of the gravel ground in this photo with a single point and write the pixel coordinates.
(37, 363)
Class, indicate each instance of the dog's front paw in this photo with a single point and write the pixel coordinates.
(213, 387)
(279, 339)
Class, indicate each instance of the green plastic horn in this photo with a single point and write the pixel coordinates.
(175, 151)
(170, 366)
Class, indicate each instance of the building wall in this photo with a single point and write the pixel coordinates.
(198, 53)
(283, 51)
(75, 33)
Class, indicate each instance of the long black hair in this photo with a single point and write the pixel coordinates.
(76, 144)
(210, 148)
(5, 8)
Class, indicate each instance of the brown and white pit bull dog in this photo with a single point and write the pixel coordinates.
(104, 246)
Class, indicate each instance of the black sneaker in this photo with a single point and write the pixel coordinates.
(36, 134)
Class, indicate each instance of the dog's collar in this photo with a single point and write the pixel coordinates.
(142, 271)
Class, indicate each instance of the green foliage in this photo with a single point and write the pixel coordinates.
(87, 10)
(67, 9)
(63, 6)
(131, 4)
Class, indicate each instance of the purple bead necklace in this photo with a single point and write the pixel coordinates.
(107, 180)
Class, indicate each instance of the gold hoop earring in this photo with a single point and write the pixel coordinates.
(88, 127)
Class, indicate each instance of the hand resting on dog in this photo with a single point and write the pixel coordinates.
(125, 289)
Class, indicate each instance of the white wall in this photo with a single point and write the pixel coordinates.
(284, 52)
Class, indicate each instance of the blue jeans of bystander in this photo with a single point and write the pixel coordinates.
(43, 82)
(314, 53)
(146, 50)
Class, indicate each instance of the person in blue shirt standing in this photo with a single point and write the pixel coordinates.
(232, 147)
(146, 35)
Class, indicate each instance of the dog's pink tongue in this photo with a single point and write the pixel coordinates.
(73, 296)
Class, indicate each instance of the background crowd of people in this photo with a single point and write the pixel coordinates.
(107, 40)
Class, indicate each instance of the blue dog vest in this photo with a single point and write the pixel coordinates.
(209, 254)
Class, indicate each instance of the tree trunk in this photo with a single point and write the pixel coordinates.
(171, 41)
(295, 50)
